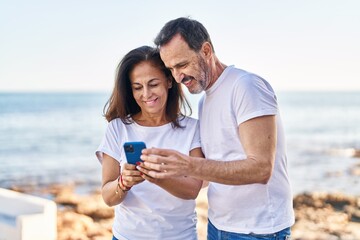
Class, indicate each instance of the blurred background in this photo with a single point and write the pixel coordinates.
(58, 60)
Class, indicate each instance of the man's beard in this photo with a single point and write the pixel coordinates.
(203, 79)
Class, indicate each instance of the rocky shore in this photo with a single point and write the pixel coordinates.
(319, 216)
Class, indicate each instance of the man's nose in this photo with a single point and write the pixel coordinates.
(178, 75)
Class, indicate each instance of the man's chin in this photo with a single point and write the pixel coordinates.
(195, 90)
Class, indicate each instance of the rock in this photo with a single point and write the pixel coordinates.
(339, 200)
(323, 216)
(82, 217)
(67, 199)
(353, 212)
(356, 153)
(66, 196)
(72, 225)
(355, 170)
(95, 207)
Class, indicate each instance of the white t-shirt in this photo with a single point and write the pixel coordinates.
(235, 97)
(148, 211)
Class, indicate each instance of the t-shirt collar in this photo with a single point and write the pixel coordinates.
(219, 80)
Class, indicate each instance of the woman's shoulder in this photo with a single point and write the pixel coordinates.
(116, 123)
(188, 120)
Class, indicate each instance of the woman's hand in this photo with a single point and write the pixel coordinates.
(130, 175)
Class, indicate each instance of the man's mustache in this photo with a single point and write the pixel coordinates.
(187, 78)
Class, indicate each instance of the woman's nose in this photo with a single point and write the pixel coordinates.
(146, 92)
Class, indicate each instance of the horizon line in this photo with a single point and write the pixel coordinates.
(107, 92)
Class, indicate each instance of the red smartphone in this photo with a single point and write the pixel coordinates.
(133, 151)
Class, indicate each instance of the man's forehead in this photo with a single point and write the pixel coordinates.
(173, 59)
(175, 51)
(177, 43)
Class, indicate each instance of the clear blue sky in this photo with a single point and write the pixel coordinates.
(76, 45)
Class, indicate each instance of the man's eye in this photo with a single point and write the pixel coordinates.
(153, 85)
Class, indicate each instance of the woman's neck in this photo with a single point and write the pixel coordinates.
(149, 120)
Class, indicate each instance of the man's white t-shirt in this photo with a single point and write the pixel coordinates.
(236, 97)
(148, 211)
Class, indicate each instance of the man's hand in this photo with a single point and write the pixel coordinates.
(164, 163)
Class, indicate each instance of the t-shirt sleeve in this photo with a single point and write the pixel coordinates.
(253, 97)
(196, 143)
(110, 143)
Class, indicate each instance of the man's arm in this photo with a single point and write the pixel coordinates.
(258, 137)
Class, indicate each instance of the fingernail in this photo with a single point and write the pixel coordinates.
(137, 163)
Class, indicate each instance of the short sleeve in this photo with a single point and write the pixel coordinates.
(196, 143)
(110, 143)
(253, 97)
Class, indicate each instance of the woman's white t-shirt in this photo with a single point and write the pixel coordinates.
(148, 211)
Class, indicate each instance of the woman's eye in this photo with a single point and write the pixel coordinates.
(137, 88)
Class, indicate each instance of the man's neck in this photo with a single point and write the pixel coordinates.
(216, 70)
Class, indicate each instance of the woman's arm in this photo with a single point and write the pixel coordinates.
(114, 188)
(111, 191)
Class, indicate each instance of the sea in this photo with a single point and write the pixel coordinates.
(51, 138)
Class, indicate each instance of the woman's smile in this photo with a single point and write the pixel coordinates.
(151, 102)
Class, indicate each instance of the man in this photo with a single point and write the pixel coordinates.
(241, 135)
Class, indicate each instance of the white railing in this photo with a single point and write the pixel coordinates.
(26, 217)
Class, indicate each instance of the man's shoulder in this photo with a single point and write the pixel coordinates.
(233, 70)
(243, 77)
(238, 77)
(239, 73)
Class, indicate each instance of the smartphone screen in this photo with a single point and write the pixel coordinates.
(133, 151)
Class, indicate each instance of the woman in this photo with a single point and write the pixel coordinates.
(146, 106)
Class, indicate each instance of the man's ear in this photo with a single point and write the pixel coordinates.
(206, 49)
(170, 83)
